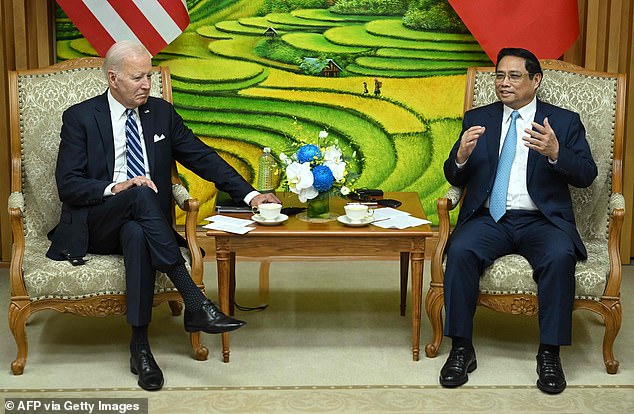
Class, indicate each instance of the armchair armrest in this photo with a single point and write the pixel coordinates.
(616, 201)
(190, 205)
(181, 196)
(16, 214)
(16, 200)
(454, 194)
(444, 205)
(617, 215)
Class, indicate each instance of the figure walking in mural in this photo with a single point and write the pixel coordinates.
(377, 86)
(365, 88)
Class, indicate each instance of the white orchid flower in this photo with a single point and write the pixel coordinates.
(332, 160)
(285, 159)
(323, 134)
(307, 194)
(299, 176)
(344, 190)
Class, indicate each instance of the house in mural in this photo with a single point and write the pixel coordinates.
(322, 67)
(270, 33)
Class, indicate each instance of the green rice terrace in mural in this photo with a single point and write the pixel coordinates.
(244, 79)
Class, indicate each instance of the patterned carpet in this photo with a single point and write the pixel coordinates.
(331, 341)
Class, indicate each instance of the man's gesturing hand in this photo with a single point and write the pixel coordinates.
(468, 142)
(543, 140)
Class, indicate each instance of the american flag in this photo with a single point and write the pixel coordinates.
(154, 23)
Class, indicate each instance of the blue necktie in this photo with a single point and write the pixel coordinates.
(497, 201)
(134, 152)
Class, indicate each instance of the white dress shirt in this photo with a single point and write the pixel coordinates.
(517, 197)
(118, 119)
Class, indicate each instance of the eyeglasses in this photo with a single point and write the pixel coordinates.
(514, 77)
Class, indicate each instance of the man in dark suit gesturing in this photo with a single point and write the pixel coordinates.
(113, 178)
(516, 158)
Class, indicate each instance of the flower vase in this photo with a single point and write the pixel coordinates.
(318, 207)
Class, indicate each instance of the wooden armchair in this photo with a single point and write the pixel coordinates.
(37, 100)
(507, 285)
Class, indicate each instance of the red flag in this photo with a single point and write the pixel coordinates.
(154, 23)
(545, 27)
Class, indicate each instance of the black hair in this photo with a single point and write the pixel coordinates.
(531, 63)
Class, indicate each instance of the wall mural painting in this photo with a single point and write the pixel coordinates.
(384, 77)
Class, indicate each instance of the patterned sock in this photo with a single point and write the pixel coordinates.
(553, 349)
(192, 296)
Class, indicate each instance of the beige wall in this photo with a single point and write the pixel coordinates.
(606, 43)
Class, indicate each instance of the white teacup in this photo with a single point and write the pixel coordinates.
(357, 212)
(268, 211)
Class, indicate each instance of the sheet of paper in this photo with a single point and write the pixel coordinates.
(229, 220)
(229, 224)
(388, 212)
(230, 228)
(402, 221)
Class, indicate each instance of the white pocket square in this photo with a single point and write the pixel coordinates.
(158, 138)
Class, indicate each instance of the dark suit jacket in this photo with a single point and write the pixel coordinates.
(85, 164)
(547, 184)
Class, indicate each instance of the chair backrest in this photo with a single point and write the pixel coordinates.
(37, 99)
(599, 99)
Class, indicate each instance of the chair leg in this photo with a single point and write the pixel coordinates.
(176, 307)
(404, 277)
(612, 320)
(17, 323)
(200, 351)
(433, 306)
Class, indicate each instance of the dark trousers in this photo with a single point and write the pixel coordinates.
(132, 223)
(478, 242)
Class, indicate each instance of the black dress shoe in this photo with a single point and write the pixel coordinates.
(460, 362)
(142, 363)
(210, 319)
(551, 374)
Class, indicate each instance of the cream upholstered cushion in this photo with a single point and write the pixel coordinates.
(594, 98)
(42, 99)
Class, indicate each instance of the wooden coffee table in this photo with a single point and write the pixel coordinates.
(297, 238)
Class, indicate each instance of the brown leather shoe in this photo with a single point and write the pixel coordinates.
(551, 374)
(210, 319)
(460, 362)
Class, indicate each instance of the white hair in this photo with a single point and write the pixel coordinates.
(120, 51)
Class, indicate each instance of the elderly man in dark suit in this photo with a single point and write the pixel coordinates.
(516, 201)
(113, 178)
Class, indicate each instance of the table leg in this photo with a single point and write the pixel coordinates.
(232, 283)
(417, 259)
(223, 264)
(404, 277)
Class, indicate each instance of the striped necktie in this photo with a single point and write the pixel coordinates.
(497, 201)
(134, 152)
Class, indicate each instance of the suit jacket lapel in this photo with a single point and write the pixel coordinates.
(104, 123)
(147, 123)
(493, 125)
(533, 155)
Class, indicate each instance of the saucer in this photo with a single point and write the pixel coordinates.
(261, 220)
(345, 220)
